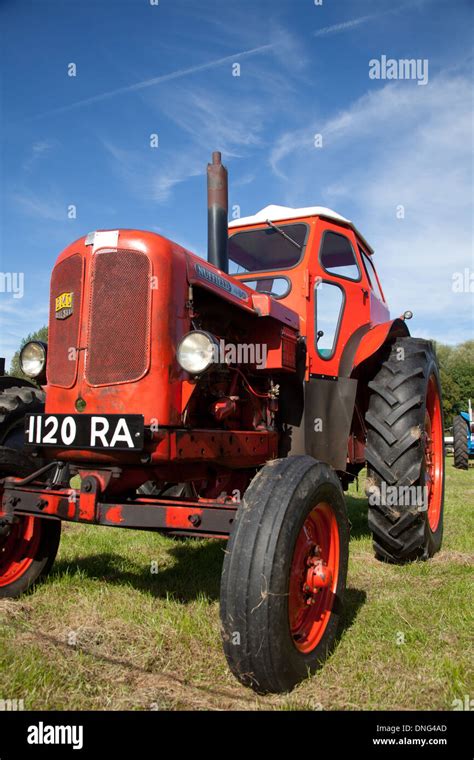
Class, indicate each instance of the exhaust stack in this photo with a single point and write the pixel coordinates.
(217, 213)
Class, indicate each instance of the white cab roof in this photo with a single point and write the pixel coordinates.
(280, 213)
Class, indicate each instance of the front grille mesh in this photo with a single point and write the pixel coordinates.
(64, 333)
(118, 349)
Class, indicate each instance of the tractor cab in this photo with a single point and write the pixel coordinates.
(317, 263)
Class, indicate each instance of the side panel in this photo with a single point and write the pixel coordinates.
(67, 280)
(324, 432)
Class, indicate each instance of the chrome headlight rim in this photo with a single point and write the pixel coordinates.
(208, 359)
(34, 366)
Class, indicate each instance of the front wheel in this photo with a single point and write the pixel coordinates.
(284, 574)
(27, 551)
(28, 546)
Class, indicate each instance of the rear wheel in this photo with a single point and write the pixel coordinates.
(284, 574)
(28, 546)
(405, 454)
(461, 452)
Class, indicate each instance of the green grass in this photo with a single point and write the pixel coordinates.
(104, 632)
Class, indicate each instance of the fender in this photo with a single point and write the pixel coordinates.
(377, 336)
(331, 400)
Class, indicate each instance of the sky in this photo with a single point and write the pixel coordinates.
(394, 154)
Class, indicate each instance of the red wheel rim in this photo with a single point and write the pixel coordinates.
(19, 549)
(313, 577)
(434, 462)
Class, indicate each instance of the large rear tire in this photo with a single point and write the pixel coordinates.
(461, 451)
(405, 454)
(29, 545)
(284, 574)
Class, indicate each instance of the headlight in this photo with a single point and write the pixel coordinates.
(197, 351)
(33, 359)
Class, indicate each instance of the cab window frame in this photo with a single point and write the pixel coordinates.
(339, 320)
(291, 223)
(377, 291)
(243, 278)
(356, 260)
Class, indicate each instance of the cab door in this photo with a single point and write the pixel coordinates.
(340, 298)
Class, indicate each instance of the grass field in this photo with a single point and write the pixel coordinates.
(104, 632)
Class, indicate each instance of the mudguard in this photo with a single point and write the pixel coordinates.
(376, 337)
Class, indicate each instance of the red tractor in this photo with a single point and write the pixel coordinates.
(231, 398)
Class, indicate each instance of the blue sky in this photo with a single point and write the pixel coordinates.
(167, 69)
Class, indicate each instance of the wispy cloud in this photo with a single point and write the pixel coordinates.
(207, 119)
(152, 180)
(41, 208)
(37, 151)
(211, 118)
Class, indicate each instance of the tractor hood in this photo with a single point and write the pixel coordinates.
(118, 310)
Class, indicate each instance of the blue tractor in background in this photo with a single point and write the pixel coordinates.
(463, 439)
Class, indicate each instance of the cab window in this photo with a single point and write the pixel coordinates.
(337, 256)
(371, 274)
(278, 287)
(329, 302)
(267, 248)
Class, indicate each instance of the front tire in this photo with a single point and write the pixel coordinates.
(284, 574)
(461, 452)
(405, 454)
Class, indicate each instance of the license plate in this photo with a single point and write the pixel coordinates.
(85, 431)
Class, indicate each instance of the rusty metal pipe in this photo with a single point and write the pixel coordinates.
(217, 213)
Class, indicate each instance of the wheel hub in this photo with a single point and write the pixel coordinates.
(318, 576)
(313, 577)
(429, 459)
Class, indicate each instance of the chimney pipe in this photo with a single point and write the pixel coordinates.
(217, 213)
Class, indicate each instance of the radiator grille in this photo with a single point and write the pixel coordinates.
(118, 349)
(64, 333)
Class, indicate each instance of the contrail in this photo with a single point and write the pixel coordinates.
(345, 25)
(157, 80)
(362, 19)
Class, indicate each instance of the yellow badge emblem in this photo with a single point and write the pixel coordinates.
(64, 305)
